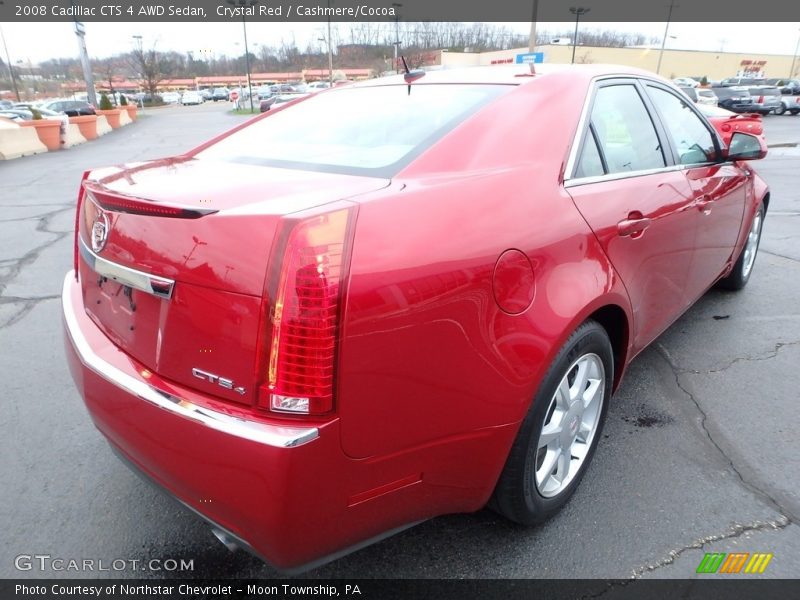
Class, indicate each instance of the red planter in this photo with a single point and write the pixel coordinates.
(112, 116)
(87, 125)
(131, 108)
(48, 130)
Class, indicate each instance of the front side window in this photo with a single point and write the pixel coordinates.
(692, 139)
(625, 132)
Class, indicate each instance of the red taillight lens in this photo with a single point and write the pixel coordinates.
(760, 100)
(78, 209)
(305, 315)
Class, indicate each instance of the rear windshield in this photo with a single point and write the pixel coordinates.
(373, 131)
(765, 91)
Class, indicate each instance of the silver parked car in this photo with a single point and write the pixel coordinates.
(766, 98)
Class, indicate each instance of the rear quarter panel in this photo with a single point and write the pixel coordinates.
(426, 353)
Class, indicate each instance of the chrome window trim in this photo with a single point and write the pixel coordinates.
(261, 433)
(623, 175)
(160, 287)
(570, 180)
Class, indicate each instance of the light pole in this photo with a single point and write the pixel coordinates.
(794, 58)
(138, 43)
(243, 4)
(330, 48)
(10, 69)
(396, 6)
(330, 59)
(532, 42)
(578, 12)
(666, 33)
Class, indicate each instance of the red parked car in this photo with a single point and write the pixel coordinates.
(727, 123)
(317, 331)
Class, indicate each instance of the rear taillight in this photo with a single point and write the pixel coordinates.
(78, 210)
(760, 100)
(305, 314)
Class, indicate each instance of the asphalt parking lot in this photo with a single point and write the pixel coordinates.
(701, 451)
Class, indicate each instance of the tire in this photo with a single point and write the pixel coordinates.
(794, 112)
(529, 490)
(780, 110)
(740, 275)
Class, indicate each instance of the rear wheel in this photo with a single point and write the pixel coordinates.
(559, 435)
(780, 110)
(795, 112)
(740, 274)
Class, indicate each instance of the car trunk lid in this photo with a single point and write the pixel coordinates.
(174, 259)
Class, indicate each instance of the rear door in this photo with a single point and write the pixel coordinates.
(638, 203)
(718, 188)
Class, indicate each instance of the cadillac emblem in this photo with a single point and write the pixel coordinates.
(99, 231)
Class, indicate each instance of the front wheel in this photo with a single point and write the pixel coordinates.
(740, 274)
(559, 435)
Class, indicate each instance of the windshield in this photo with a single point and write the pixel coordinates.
(366, 131)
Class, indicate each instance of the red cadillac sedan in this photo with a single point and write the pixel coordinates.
(398, 299)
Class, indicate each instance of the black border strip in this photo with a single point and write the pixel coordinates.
(354, 11)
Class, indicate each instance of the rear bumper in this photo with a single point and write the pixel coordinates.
(289, 494)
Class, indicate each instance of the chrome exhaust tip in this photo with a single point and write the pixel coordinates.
(226, 539)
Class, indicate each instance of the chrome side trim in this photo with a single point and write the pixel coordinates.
(254, 431)
(624, 175)
(139, 280)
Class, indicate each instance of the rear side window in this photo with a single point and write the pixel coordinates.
(366, 131)
(691, 138)
(625, 132)
(590, 164)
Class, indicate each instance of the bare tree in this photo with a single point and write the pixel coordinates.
(107, 69)
(150, 66)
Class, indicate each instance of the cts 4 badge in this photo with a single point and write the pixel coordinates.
(220, 381)
(100, 229)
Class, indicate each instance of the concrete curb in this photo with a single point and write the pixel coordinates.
(72, 136)
(16, 141)
(102, 125)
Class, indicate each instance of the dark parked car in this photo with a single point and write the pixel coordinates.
(71, 108)
(786, 86)
(220, 94)
(399, 299)
(736, 99)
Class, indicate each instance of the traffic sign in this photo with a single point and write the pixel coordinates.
(530, 57)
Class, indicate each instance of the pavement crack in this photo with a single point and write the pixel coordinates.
(772, 354)
(752, 487)
(737, 530)
(26, 306)
(15, 266)
(780, 255)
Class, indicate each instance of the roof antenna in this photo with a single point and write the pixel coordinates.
(411, 76)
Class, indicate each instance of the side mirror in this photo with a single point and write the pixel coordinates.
(745, 146)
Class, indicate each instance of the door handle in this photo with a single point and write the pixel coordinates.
(633, 226)
(703, 204)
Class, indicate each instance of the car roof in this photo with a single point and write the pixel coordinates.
(512, 74)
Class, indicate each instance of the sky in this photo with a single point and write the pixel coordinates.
(36, 42)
